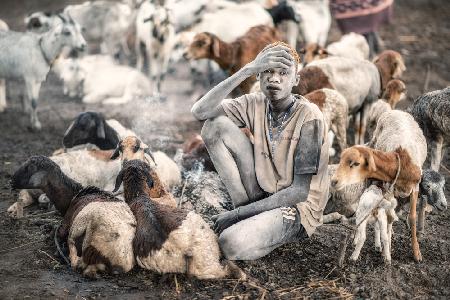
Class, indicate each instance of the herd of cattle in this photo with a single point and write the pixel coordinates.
(396, 154)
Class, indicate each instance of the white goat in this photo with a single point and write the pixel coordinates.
(314, 24)
(373, 207)
(92, 128)
(29, 56)
(103, 81)
(351, 45)
(154, 29)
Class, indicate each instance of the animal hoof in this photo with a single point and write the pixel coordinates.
(14, 211)
(331, 152)
(418, 257)
(378, 249)
(387, 262)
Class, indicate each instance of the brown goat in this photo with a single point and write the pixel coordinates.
(359, 163)
(390, 65)
(233, 56)
(311, 79)
(395, 92)
(313, 52)
(131, 148)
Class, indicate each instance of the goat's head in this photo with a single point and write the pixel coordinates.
(161, 23)
(131, 148)
(35, 173)
(39, 22)
(69, 33)
(204, 45)
(390, 64)
(432, 188)
(134, 173)
(312, 52)
(356, 165)
(395, 92)
(88, 127)
(73, 76)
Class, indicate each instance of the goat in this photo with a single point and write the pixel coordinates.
(3, 27)
(103, 82)
(360, 82)
(233, 56)
(315, 21)
(351, 45)
(395, 92)
(131, 148)
(154, 29)
(91, 127)
(335, 112)
(89, 167)
(194, 152)
(102, 22)
(432, 112)
(168, 239)
(97, 225)
(375, 208)
(29, 56)
(396, 137)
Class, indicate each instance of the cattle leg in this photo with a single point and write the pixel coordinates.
(412, 224)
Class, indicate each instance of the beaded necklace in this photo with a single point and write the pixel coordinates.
(279, 127)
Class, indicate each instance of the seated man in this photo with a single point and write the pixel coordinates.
(279, 184)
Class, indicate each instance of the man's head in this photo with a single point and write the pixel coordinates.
(277, 83)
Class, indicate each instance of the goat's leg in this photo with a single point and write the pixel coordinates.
(33, 88)
(25, 199)
(383, 227)
(436, 152)
(360, 238)
(334, 216)
(73, 256)
(139, 55)
(340, 129)
(331, 150)
(378, 236)
(357, 126)
(421, 221)
(363, 123)
(412, 224)
(2, 95)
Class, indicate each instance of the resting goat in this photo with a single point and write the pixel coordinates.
(168, 240)
(29, 56)
(131, 148)
(92, 128)
(96, 225)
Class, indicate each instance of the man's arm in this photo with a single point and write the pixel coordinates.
(270, 57)
(305, 166)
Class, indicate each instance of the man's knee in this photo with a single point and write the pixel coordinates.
(230, 245)
(214, 128)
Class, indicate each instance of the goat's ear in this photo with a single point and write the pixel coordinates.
(147, 151)
(116, 152)
(101, 130)
(323, 51)
(119, 180)
(215, 46)
(137, 146)
(370, 162)
(149, 180)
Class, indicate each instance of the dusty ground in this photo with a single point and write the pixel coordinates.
(30, 268)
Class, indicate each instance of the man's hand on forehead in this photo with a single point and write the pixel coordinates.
(272, 56)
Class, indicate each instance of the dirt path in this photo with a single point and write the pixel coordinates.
(29, 266)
